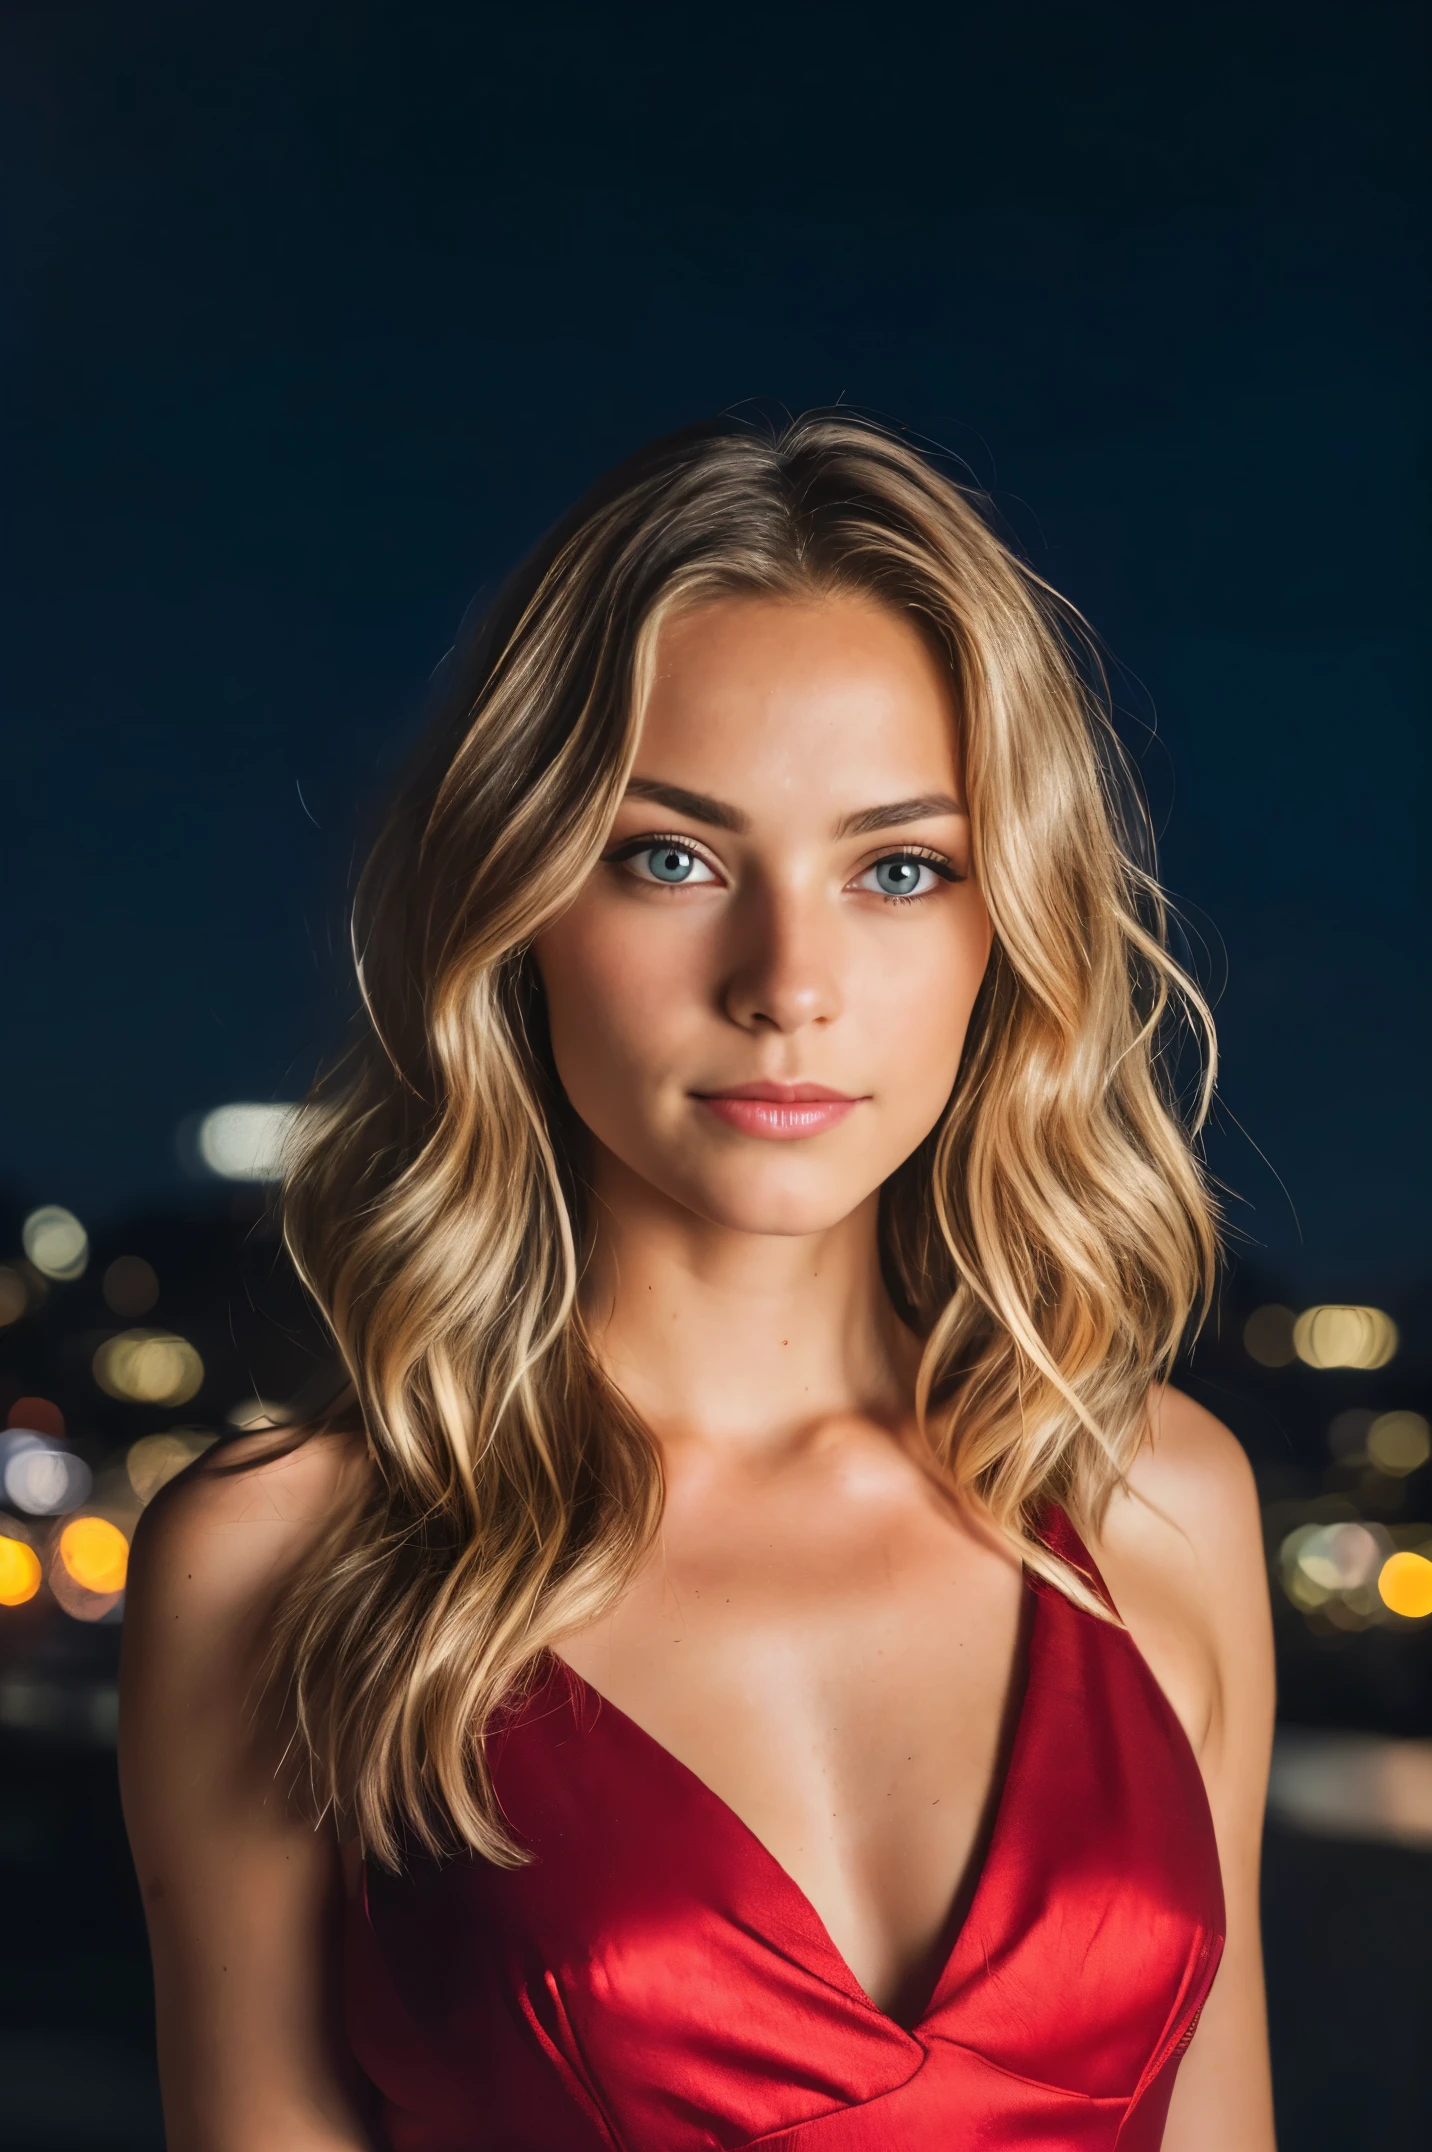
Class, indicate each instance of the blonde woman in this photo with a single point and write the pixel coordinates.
(756, 1656)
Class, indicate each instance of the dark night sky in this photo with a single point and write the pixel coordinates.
(312, 319)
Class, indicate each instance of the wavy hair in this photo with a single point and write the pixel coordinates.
(1048, 1242)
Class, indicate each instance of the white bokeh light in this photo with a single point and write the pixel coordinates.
(247, 1142)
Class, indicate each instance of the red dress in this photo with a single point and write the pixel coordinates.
(653, 1980)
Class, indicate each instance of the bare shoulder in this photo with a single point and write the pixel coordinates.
(1181, 1548)
(242, 1893)
(1189, 1501)
(213, 1556)
(236, 1526)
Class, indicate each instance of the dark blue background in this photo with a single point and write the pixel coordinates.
(314, 317)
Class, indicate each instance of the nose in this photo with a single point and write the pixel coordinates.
(784, 971)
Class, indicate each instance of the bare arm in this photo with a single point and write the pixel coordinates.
(1183, 1556)
(242, 1895)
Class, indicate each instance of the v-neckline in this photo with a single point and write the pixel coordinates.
(1029, 1626)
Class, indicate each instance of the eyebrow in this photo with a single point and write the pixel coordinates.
(922, 809)
(718, 815)
(697, 804)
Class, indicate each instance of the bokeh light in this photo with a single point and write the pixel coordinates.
(1344, 1337)
(55, 1241)
(1339, 1556)
(41, 1415)
(1330, 1569)
(95, 1553)
(46, 1482)
(1399, 1443)
(247, 1142)
(76, 1599)
(1405, 1585)
(14, 1297)
(148, 1367)
(155, 1459)
(13, 1440)
(1268, 1336)
(256, 1415)
(130, 1286)
(19, 1571)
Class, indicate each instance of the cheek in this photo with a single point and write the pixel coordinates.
(915, 1002)
(619, 996)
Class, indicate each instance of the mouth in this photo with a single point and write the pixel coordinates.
(778, 1111)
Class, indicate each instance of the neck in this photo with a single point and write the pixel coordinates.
(745, 1339)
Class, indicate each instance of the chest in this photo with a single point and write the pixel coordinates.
(845, 1686)
(652, 1968)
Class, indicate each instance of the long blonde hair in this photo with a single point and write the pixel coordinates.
(1049, 1241)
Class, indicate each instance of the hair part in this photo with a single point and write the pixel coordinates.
(1049, 1241)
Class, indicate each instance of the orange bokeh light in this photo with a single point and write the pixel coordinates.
(19, 1572)
(1405, 1582)
(95, 1553)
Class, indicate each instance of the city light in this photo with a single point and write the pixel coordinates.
(1344, 1337)
(45, 1482)
(95, 1553)
(1404, 1584)
(130, 1286)
(19, 1572)
(37, 1416)
(247, 1142)
(256, 1415)
(1340, 1556)
(55, 1241)
(155, 1459)
(1399, 1443)
(76, 1599)
(148, 1367)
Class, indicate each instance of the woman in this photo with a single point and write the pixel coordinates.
(757, 1656)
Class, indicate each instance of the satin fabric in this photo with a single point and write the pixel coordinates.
(654, 1981)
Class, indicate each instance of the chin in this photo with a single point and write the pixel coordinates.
(775, 1204)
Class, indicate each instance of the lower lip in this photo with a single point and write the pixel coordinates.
(780, 1120)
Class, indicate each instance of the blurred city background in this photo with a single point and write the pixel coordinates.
(314, 317)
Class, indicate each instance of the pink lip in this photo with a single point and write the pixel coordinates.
(778, 1110)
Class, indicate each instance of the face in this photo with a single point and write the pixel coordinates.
(759, 997)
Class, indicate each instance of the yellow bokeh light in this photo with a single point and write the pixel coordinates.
(149, 1367)
(256, 1415)
(1399, 1443)
(95, 1553)
(155, 1459)
(1405, 1585)
(55, 1241)
(19, 1572)
(1344, 1337)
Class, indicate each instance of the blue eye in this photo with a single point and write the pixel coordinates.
(899, 877)
(667, 860)
(671, 862)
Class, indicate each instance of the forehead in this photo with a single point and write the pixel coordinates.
(833, 701)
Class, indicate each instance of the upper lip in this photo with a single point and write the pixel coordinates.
(782, 1094)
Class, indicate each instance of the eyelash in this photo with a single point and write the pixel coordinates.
(937, 862)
